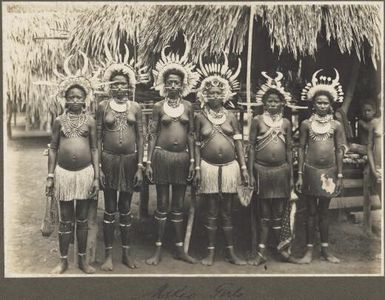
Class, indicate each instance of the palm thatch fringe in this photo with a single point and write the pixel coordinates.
(296, 28)
(27, 60)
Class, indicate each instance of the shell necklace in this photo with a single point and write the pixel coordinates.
(72, 124)
(321, 128)
(274, 121)
(217, 118)
(120, 113)
(173, 108)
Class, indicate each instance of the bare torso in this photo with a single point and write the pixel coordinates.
(219, 149)
(173, 133)
(118, 128)
(75, 152)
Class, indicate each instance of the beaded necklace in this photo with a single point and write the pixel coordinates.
(173, 108)
(217, 118)
(72, 124)
(120, 113)
(321, 128)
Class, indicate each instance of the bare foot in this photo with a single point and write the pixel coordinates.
(325, 255)
(306, 259)
(181, 255)
(127, 259)
(209, 259)
(84, 266)
(108, 266)
(233, 259)
(258, 260)
(61, 267)
(154, 260)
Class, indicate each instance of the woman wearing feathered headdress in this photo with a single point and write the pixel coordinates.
(73, 165)
(219, 156)
(120, 145)
(320, 158)
(270, 160)
(170, 149)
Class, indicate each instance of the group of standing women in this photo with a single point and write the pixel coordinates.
(205, 149)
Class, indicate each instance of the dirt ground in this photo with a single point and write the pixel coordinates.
(28, 253)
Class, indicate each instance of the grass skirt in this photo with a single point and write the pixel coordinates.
(170, 167)
(219, 178)
(272, 182)
(73, 185)
(119, 170)
(319, 182)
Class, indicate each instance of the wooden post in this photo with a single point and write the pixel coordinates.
(144, 198)
(367, 224)
(92, 230)
(249, 61)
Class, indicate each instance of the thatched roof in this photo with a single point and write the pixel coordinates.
(295, 29)
(28, 58)
(215, 28)
(111, 23)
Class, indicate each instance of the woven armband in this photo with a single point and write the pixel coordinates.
(237, 136)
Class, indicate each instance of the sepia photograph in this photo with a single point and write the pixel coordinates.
(210, 139)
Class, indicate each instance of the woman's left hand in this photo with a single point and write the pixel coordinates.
(245, 177)
(339, 186)
(138, 178)
(191, 172)
(94, 189)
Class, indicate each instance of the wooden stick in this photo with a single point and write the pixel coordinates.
(190, 220)
(249, 62)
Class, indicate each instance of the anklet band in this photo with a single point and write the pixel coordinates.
(262, 246)
(124, 225)
(64, 257)
(229, 247)
(179, 244)
(310, 245)
(125, 246)
(211, 248)
(108, 248)
(81, 254)
(324, 245)
(158, 244)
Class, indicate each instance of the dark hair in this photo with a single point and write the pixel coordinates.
(75, 86)
(120, 73)
(273, 92)
(169, 72)
(370, 102)
(323, 93)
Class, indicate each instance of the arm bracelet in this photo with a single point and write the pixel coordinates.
(50, 175)
(244, 167)
(340, 175)
(148, 162)
(197, 168)
(192, 160)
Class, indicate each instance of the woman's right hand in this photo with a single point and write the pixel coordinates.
(102, 178)
(149, 173)
(251, 181)
(49, 187)
(298, 185)
(197, 179)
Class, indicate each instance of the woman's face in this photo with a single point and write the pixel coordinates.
(273, 104)
(214, 97)
(368, 112)
(322, 105)
(75, 99)
(120, 88)
(173, 85)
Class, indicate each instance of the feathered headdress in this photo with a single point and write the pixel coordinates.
(134, 70)
(173, 61)
(323, 83)
(272, 84)
(219, 75)
(69, 79)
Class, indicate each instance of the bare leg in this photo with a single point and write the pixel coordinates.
(323, 210)
(125, 224)
(108, 227)
(277, 211)
(211, 201)
(163, 194)
(312, 213)
(65, 234)
(178, 192)
(227, 225)
(265, 207)
(81, 234)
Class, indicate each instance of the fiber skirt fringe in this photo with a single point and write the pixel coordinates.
(119, 170)
(212, 181)
(170, 167)
(272, 182)
(73, 185)
(319, 182)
